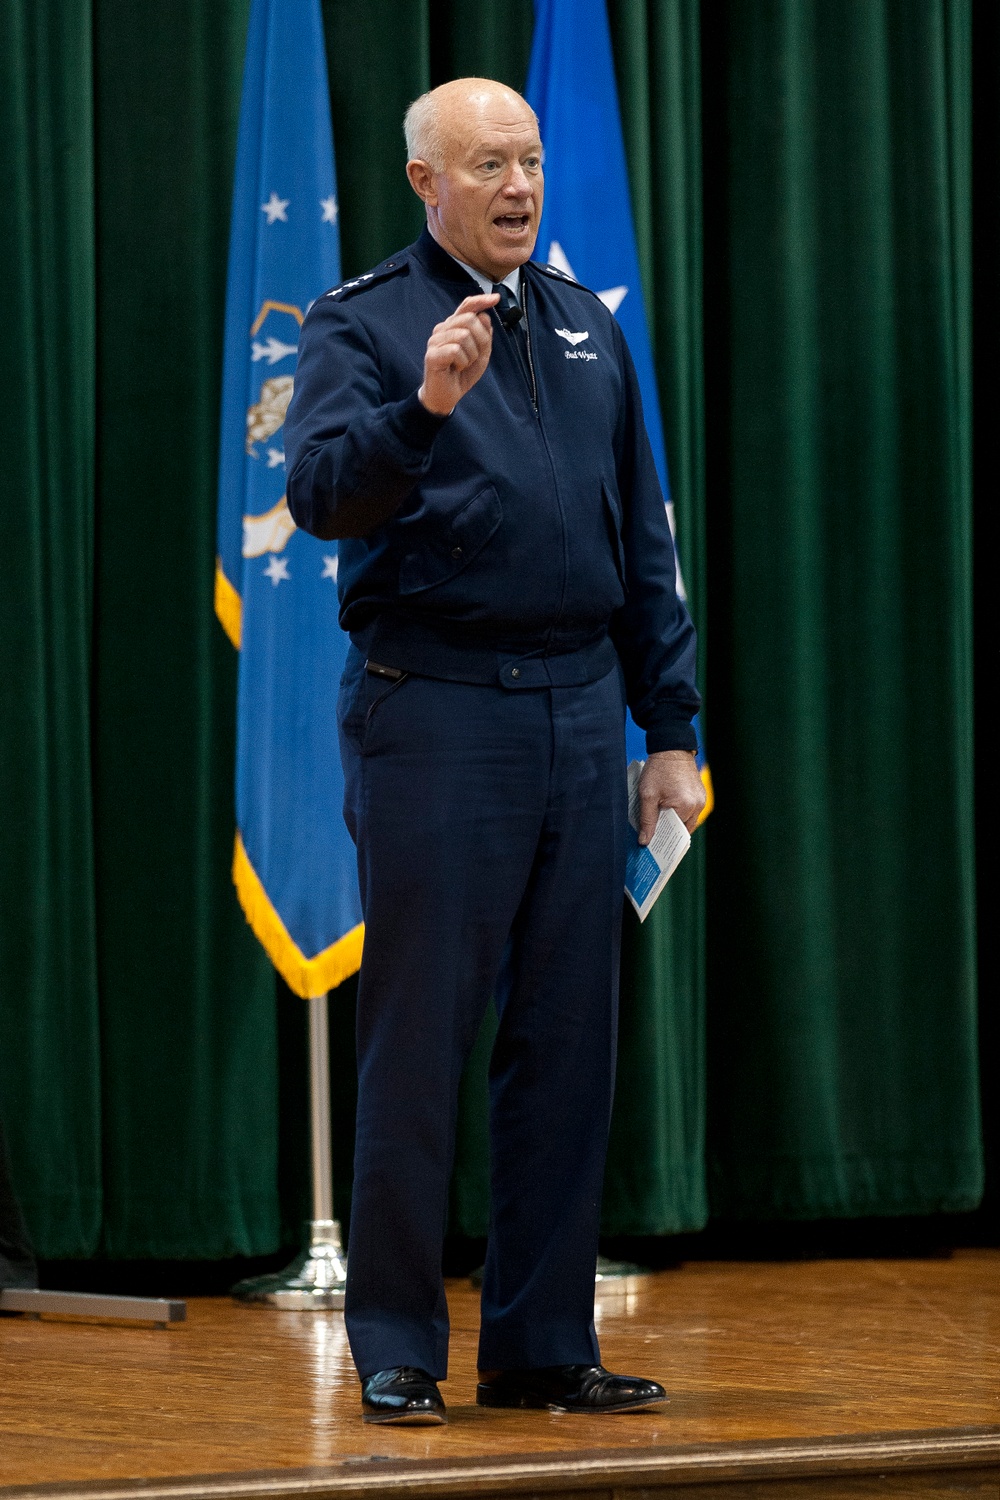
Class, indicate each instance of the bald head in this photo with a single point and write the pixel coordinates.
(439, 120)
(475, 159)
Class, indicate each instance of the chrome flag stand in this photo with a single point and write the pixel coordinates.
(315, 1280)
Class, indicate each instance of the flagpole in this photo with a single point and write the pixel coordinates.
(315, 1280)
(319, 1110)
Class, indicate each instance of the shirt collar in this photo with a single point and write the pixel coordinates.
(512, 282)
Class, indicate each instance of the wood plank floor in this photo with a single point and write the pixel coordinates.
(752, 1354)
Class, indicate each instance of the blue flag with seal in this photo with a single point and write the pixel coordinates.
(276, 588)
(586, 229)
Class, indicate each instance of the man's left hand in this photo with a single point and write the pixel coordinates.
(670, 778)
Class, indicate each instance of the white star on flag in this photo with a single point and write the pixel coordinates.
(275, 457)
(612, 298)
(329, 207)
(276, 570)
(330, 567)
(275, 208)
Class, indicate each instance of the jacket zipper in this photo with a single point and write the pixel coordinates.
(531, 362)
(548, 455)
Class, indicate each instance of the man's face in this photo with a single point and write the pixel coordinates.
(485, 206)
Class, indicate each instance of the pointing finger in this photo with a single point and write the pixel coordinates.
(467, 320)
(481, 302)
(458, 337)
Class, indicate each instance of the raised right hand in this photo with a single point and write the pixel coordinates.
(457, 353)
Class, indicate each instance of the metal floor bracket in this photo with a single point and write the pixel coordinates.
(100, 1305)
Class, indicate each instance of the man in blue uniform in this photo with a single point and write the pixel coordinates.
(467, 424)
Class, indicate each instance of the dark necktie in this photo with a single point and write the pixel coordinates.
(512, 318)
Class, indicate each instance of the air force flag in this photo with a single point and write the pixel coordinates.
(586, 229)
(276, 588)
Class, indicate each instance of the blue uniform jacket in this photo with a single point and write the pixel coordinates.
(523, 539)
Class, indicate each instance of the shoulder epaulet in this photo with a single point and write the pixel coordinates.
(557, 275)
(370, 278)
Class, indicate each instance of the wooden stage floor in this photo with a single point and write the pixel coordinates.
(822, 1378)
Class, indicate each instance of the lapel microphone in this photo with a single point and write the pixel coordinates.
(507, 309)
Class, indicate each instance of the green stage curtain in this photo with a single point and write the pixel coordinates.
(50, 1050)
(148, 1104)
(655, 1182)
(843, 1076)
(139, 1057)
(187, 998)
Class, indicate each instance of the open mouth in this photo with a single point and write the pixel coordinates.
(512, 223)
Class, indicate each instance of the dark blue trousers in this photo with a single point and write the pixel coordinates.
(490, 828)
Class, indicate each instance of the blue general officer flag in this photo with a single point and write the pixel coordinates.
(586, 229)
(276, 588)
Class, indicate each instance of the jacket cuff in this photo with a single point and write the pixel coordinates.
(668, 732)
(414, 426)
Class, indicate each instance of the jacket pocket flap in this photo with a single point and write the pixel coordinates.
(453, 547)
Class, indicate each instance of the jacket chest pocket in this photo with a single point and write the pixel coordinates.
(452, 547)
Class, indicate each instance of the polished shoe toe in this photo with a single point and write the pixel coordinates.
(568, 1388)
(403, 1395)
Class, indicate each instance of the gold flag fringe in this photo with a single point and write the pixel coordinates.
(307, 977)
(228, 606)
(706, 781)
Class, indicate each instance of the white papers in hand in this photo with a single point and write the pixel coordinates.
(648, 869)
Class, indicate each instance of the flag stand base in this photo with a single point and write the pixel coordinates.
(617, 1281)
(314, 1282)
(618, 1270)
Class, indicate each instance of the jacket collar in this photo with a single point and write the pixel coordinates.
(439, 263)
(443, 266)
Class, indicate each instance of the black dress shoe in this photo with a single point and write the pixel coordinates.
(402, 1394)
(587, 1388)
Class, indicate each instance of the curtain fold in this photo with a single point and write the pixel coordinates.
(655, 1181)
(50, 1066)
(378, 59)
(187, 997)
(843, 1076)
